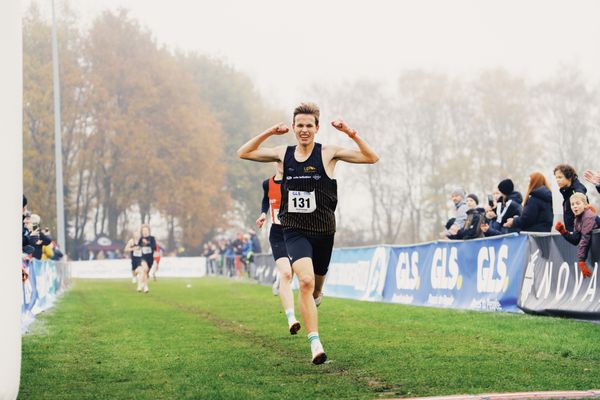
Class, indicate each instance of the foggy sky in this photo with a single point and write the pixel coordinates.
(285, 48)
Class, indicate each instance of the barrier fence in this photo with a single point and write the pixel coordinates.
(535, 273)
(47, 280)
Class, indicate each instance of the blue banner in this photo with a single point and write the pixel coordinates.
(478, 274)
(358, 273)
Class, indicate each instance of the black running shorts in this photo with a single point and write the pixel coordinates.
(135, 262)
(319, 248)
(277, 242)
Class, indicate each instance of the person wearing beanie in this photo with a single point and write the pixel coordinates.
(537, 215)
(585, 222)
(508, 206)
(474, 198)
(566, 178)
(506, 186)
(475, 216)
(458, 198)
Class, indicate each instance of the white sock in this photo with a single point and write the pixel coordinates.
(291, 316)
(313, 338)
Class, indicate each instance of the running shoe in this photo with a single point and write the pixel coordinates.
(318, 354)
(294, 327)
(319, 299)
(276, 288)
(146, 290)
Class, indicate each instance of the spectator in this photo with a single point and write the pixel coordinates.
(585, 222)
(507, 206)
(458, 198)
(56, 250)
(37, 238)
(537, 213)
(566, 177)
(256, 247)
(593, 177)
(475, 217)
(26, 247)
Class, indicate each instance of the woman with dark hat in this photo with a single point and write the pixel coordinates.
(508, 206)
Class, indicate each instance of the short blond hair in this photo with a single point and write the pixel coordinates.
(579, 196)
(309, 109)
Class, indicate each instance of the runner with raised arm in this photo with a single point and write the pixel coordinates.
(308, 202)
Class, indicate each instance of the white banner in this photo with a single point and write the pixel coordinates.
(174, 267)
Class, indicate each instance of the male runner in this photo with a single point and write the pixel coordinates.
(308, 202)
(272, 201)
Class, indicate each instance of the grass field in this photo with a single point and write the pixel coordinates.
(223, 339)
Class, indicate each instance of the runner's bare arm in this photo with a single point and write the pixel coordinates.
(364, 155)
(251, 150)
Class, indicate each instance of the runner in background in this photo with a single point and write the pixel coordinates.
(271, 201)
(157, 254)
(147, 243)
(135, 252)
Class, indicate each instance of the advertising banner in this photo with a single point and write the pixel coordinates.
(264, 269)
(480, 274)
(115, 269)
(553, 284)
(357, 273)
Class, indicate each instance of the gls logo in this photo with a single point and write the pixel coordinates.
(488, 262)
(445, 273)
(407, 271)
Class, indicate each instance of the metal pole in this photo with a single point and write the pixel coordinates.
(60, 212)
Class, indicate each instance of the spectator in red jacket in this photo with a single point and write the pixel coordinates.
(586, 221)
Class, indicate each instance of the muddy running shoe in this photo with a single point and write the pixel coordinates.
(294, 327)
(318, 354)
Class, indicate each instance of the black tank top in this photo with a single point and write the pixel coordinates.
(307, 176)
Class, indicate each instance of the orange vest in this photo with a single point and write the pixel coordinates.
(274, 199)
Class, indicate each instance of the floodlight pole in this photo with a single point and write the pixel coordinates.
(60, 210)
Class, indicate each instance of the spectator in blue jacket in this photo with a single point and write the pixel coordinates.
(593, 177)
(566, 177)
(508, 206)
(537, 213)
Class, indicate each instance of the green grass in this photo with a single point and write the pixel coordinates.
(222, 339)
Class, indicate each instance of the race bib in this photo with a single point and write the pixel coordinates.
(137, 252)
(301, 202)
(146, 250)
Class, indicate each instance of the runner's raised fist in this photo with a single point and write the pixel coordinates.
(340, 125)
(279, 129)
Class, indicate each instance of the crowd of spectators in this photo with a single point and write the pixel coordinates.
(232, 256)
(507, 211)
(37, 242)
